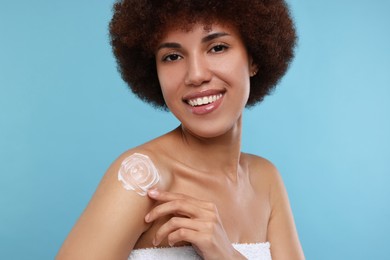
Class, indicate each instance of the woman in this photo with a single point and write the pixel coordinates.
(192, 190)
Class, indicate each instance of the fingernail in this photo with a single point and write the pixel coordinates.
(147, 217)
(171, 243)
(154, 242)
(153, 193)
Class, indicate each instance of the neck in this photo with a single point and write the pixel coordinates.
(219, 155)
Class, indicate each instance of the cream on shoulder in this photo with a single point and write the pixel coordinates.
(138, 173)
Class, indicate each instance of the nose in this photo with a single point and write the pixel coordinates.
(198, 71)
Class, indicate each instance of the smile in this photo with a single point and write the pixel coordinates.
(203, 100)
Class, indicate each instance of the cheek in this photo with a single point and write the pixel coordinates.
(237, 67)
(236, 74)
(169, 82)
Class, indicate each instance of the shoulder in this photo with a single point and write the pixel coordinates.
(114, 218)
(262, 172)
(132, 173)
(267, 178)
(147, 162)
(281, 227)
(136, 171)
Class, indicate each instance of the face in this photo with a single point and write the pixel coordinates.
(204, 77)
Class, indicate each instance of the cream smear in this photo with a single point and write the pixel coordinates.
(138, 173)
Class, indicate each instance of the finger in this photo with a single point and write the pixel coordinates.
(165, 196)
(176, 207)
(174, 224)
(187, 235)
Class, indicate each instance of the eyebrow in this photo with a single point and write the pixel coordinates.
(207, 38)
(213, 36)
(172, 45)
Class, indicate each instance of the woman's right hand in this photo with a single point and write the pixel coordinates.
(195, 221)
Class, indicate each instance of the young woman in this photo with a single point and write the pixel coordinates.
(192, 193)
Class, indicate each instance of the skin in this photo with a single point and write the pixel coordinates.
(210, 194)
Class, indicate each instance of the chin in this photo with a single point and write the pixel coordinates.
(207, 132)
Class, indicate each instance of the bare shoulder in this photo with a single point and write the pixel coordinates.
(266, 176)
(113, 221)
(281, 231)
(263, 173)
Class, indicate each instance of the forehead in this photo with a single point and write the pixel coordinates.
(198, 29)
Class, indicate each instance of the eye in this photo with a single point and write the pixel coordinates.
(219, 48)
(171, 57)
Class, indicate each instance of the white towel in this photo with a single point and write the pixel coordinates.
(257, 251)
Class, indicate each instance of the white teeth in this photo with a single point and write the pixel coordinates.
(204, 100)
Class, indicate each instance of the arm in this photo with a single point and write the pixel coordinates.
(110, 225)
(281, 227)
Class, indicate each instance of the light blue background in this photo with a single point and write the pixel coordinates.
(65, 115)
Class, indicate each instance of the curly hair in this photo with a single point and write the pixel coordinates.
(266, 28)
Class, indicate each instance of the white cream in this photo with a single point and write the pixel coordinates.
(138, 173)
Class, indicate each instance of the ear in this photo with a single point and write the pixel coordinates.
(253, 68)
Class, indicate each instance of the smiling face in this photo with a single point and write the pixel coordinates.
(204, 77)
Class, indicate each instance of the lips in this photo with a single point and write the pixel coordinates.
(204, 102)
(203, 97)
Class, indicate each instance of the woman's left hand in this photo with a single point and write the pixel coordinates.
(194, 221)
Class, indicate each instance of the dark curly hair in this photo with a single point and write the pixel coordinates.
(137, 25)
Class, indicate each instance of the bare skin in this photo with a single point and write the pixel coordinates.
(210, 194)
